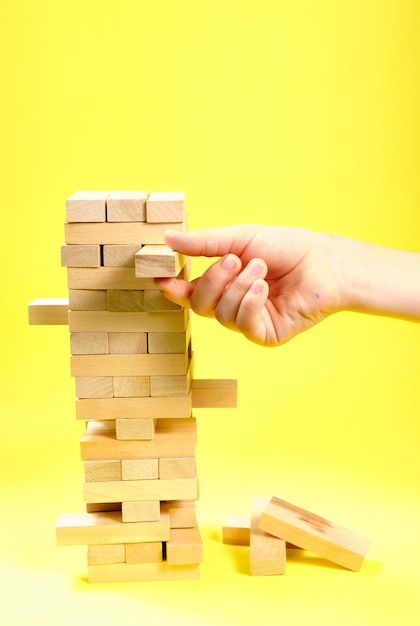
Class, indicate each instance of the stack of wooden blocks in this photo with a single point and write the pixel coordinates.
(133, 366)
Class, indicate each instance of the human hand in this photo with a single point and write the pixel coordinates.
(271, 283)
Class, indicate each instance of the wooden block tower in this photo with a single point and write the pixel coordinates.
(133, 366)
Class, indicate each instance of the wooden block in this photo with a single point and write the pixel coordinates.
(237, 530)
(108, 408)
(89, 343)
(145, 511)
(184, 546)
(138, 233)
(87, 206)
(80, 256)
(185, 467)
(181, 513)
(147, 552)
(48, 311)
(126, 206)
(165, 206)
(154, 300)
(173, 438)
(119, 255)
(141, 572)
(314, 533)
(127, 343)
(141, 428)
(214, 393)
(137, 490)
(88, 387)
(106, 321)
(87, 300)
(106, 278)
(131, 386)
(106, 554)
(129, 364)
(267, 553)
(168, 342)
(100, 471)
(125, 300)
(158, 260)
(107, 527)
(172, 386)
(140, 469)
(99, 507)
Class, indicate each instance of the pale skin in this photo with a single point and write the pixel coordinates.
(272, 282)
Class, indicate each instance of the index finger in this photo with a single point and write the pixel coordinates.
(211, 242)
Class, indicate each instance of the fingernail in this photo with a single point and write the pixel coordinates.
(254, 268)
(228, 262)
(257, 288)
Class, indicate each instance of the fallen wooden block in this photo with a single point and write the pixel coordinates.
(236, 531)
(267, 552)
(314, 533)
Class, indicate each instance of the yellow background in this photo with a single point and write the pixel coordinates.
(302, 113)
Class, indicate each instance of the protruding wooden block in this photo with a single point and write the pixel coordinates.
(184, 546)
(158, 260)
(106, 554)
(139, 428)
(214, 394)
(126, 206)
(117, 255)
(48, 311)
(87, 300)
(140, 469)
(89, 343)
(101, 471)
(165, 206)
(147, 552)
(137, 490)
(87, 206)
(154, 300)
(144, 511)
(80, 256)
(131, 386)
(314, 533)
(125, 300)
(185, 467)
(140, 572)
(94, 387)
(267, 553)
(181, 513)
(127, 343)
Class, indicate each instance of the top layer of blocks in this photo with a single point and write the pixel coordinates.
(125, 206)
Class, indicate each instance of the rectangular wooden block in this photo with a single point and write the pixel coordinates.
(87, 300)
(165, 206)
(48, 311)
(99, 278)
(147, 552)
(181, 513)
(89, 343)
(314, 533)
(126, 206)
(106, 554)
(143, 511)
(107, 408)
(138, 233)
(129, 322)
(158, 260)
(237, 530)
(127, 343)
(131, 490)
(135, 429)
(185, 546)
(140, 469)
(100, 471)
(214, 394)
(119, 255)
(80, 256)
(141, 572)
(107, 527)
(125, 300)
(267, 553)
(185, 467)
(87, 206)
(172, 386)
(173, 438)
(89, 387)
(129, 364)
(131, 386)
(168, 342)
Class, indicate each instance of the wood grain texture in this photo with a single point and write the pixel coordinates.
(87, 206)
(129, 322)
(267, 552)
(138, 490)
(107, 408)
(80, 256)
(128, 364)
(137, 233)
(185, 546)
(126, 206)
(48, 311)
(165, 206)
(159, 261)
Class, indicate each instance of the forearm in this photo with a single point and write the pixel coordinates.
(378, 280)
